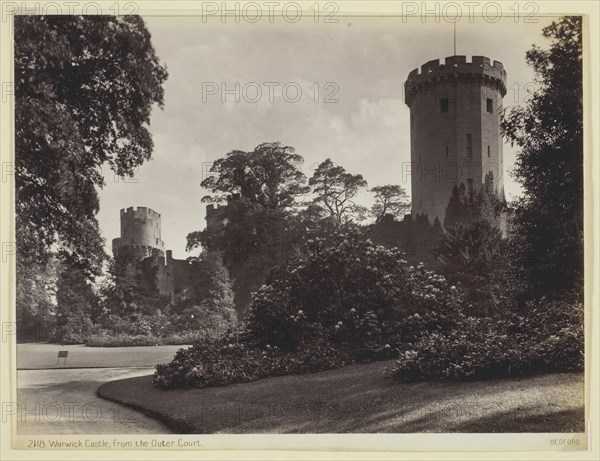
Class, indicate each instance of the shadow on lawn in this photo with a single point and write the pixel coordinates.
(359, 398)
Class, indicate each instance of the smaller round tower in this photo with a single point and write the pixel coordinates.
(140, 232)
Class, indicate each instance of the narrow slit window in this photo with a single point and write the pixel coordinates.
(444, 105)
(488, 150)
(490, 105)
(469, 145)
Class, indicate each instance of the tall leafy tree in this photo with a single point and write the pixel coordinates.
(269, 176)
(335, 188)
(84, 87)
(253, 231)
(548, 230)
(261, 187)
(391, 202)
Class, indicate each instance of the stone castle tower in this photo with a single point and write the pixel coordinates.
(140, 232)
(454, 130)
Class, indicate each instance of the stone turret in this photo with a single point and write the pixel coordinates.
(455, 129)
(140, 232)
(214, 212)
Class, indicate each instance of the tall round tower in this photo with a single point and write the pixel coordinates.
(454, 130)
(140, 232)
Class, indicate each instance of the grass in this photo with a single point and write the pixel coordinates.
(44, 355)
(359, 398)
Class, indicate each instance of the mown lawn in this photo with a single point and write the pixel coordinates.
(360, 398)
(33, 356)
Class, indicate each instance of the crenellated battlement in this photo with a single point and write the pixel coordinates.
(456, 67)
(140, 230)
(140, 211)
(213, 207)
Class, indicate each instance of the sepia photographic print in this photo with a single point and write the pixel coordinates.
(309, 228)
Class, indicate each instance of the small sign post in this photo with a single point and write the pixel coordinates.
(62, 355)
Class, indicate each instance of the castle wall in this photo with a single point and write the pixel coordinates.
(174, 276)
(450, 139)
(141, 235)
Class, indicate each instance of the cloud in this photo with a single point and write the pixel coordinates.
(363, 67)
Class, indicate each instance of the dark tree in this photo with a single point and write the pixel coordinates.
(85, 87)
(76, 301)
(548, 222)
(261, 187)
(208, 303)
(268, 176)
(484, 204)
(131, 287)
(335, 188)
(391, 203)
(253, 231)
(467, 254)
(35, 300)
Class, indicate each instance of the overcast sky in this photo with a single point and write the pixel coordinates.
(366, 131)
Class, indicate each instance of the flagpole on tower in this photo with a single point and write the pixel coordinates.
(454, 38)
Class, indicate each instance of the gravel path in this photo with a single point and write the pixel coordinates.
(60, 398)
(65, 402)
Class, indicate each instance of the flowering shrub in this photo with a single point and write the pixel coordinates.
(349, 291)
(235, 359)
(548, 337)
(350, 300)
(347, 301)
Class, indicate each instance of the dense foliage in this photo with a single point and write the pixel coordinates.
(347, 290)
(256, 229)
(135, 313)
(346, 301)
(159, 328)
(130, 287)
(75, 300)
(35, 300)
(548, 337)
(84, 89)
(235, 358)
(548, 222)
